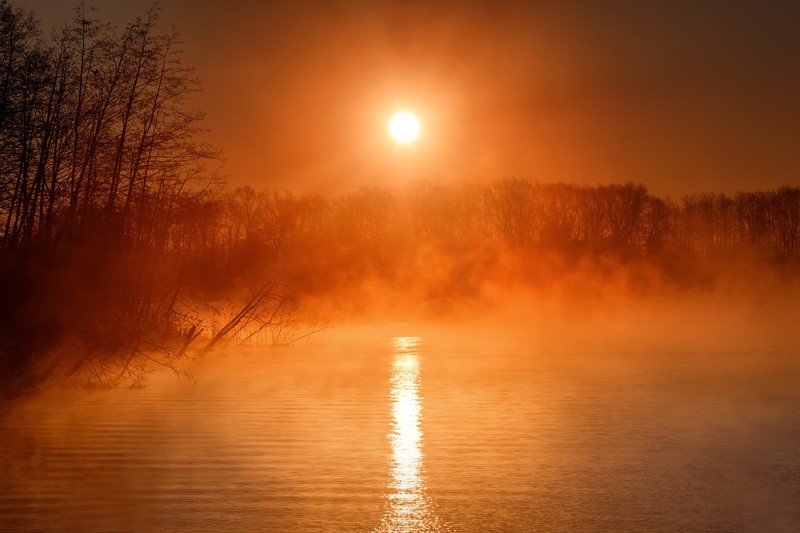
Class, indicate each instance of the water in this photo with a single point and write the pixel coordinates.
(400, 431)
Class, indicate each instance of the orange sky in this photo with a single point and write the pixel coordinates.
(680, 96)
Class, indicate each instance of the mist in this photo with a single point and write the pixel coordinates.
(407, 338)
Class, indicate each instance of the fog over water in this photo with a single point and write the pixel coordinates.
(416, 338)
(422, 426)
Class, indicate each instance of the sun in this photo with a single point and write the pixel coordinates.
(404, 127)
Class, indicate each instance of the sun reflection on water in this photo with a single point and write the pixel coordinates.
(408, 505)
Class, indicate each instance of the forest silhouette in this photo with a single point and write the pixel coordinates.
(122, 249)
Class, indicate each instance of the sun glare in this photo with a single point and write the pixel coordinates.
(404, 127)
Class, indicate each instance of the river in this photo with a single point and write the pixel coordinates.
(409, 429)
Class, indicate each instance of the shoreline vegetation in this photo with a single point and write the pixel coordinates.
(122, 249)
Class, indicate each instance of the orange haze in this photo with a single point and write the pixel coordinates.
(681, 97)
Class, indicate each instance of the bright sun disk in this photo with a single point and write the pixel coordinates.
(404, 127)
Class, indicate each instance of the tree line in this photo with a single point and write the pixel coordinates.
(95, 135)
(97, 144)
(119, 244)
(618, 219)
(102, 172)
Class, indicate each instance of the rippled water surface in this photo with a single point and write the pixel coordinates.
(413, 431)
